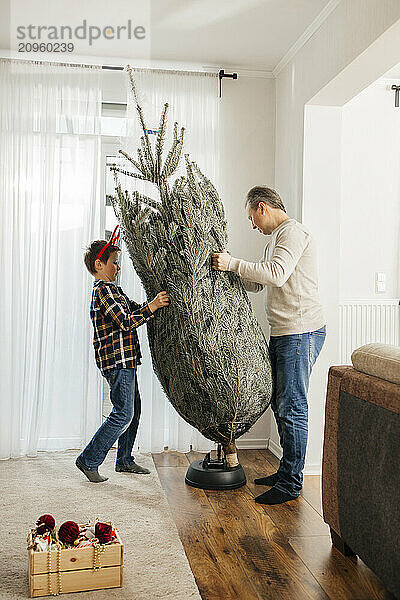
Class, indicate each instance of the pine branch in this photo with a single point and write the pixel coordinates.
(148, 201)
(160, 140)
(143, 165)
(134, 175)
(135, 164)
(149, 152)
(148, 156)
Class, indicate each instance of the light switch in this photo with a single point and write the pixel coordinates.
(380, 282)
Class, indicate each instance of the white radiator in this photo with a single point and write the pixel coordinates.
(367, 321)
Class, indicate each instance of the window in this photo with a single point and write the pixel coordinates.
(113, 119)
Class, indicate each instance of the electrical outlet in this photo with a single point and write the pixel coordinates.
(380, 287)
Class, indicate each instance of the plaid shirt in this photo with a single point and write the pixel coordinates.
(115, 318)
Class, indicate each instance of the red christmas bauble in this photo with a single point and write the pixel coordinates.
(47, 521)
(68, 532)
(103, 532)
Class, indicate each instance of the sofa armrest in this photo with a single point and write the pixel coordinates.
(372, 389)
(329, 463)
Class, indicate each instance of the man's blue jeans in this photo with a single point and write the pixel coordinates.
(121, 424)
(292, 359)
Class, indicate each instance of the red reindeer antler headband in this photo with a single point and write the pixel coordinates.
(113, 240)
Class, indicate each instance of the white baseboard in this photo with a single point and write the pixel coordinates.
(252, 443)
(309, 469)
(274, 448)
(312, 470)
(57, 444)
(74, 443)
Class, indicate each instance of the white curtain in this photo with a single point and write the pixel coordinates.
(193, 103)
(49, 181)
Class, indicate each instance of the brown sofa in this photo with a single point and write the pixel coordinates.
(360, 472)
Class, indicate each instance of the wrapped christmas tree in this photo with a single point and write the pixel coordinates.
(207, 348)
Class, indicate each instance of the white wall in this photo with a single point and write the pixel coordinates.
(247, 140)
(321, 213)
(347, 32)
(370, 203)
(247, 127)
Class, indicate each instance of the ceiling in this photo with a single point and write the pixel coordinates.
(247, 34)
(253, 34)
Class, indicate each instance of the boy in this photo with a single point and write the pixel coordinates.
(115, 318)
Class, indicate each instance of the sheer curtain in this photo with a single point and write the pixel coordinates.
(49, 178)
(193, 103)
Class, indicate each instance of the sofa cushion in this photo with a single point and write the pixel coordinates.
(380, 360)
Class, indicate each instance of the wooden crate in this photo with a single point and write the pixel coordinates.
(76, 570)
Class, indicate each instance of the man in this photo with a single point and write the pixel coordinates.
(288, 270)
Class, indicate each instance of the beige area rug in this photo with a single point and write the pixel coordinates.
(155, 564)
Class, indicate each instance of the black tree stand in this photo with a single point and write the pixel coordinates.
(215, 474)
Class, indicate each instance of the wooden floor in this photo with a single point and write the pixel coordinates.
(239, 549)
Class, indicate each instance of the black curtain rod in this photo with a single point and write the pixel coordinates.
(396, 89)
(110, 68)
(221, 76)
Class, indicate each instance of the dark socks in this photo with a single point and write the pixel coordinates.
(270, 480)
(274, 496)
(132, 468)
(92, 474)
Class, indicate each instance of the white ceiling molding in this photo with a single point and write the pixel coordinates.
(305, 36)
(239, 70)
(386, 81)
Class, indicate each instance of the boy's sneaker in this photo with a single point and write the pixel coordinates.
(131, 468)
(270, 480)
(92, 474)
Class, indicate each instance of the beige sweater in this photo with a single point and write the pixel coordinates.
(289, 271)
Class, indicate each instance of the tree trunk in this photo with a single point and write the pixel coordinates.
(231, 454)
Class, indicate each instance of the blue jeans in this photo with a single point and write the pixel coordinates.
(121, 424)
(292, 359)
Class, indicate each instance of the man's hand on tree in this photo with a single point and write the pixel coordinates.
(159, 301)
(220, 261)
